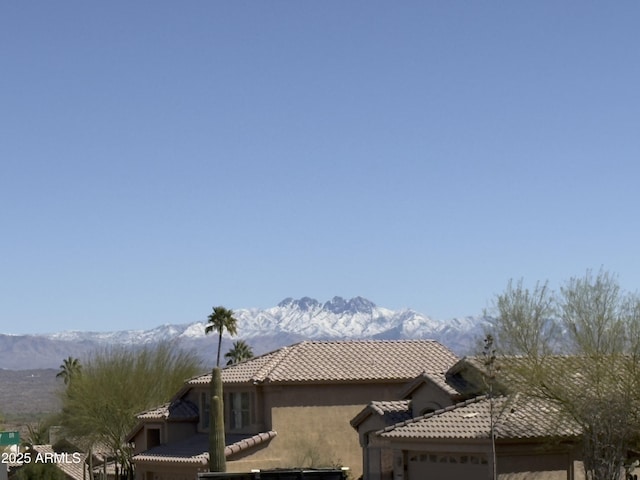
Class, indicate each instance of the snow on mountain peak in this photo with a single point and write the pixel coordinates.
(336, 318)
(306, 317)
(290, 321)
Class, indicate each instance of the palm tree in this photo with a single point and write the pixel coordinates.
(239, 352)
(69, 369)
(38, 433)
(221, 319)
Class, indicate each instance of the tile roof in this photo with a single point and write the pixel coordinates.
(393, 412)
(157, 413)
(517, 418)
(180, 409)
(195, 449)
(437, 378)
(72, 466)
(551, 373)
(340, 361)
(391, 406)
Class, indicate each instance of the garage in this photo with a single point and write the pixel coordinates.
(446, 466)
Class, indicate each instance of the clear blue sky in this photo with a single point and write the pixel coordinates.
(158, 158)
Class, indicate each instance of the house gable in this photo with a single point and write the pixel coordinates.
(307, 393)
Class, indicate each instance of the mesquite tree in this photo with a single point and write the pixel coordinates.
(596, 384)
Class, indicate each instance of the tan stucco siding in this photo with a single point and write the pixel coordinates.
(427, 398)
(328, 395)
(317, 437)
(535, 467)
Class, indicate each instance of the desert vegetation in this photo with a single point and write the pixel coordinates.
(577, 348)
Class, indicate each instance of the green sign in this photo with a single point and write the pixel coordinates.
(9, 438)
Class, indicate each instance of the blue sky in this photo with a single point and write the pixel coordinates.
(159, 158)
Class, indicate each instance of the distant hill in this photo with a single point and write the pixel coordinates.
(290, 321)
(29, 392)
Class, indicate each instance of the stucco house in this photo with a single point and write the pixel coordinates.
(288, 408)
(440, 429)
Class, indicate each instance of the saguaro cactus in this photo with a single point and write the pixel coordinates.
(217, 461)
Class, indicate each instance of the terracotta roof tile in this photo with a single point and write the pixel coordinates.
(73, 467)
(158, 413)
(195, 449)
(180, 409)
(247, 443)
(517, 418)
(437, 378)
(390, 406)
(340, 361)
(393, 411)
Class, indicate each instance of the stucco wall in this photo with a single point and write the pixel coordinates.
(328, 395)
(311, 421)
(317, 437)
(428, 396)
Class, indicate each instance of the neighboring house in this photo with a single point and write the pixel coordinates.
(376, 416)
(427, 392)
(448, 434)
(285, 409)
(532, 442)
(69, 462)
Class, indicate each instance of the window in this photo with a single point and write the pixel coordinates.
(153, 437)
(240, 410)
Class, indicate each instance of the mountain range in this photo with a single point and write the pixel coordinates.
(290, 321)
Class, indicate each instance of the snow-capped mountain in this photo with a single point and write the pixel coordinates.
(290, 321)
(340, 318)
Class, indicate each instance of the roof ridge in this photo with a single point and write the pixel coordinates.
(377, 404)
(339, 361)
(368, 340)
(278, 357)
(248, 442)
(256, 357)
(151, 409)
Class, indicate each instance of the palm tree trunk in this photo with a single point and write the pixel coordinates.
(219, 347)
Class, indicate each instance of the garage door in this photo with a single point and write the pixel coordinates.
(447, 466)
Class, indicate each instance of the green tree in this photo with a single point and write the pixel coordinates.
(525, 324)
(101, 404)
(239, 351)
(596, 385)
(219, 320)
(38, 433)
(69, 369)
